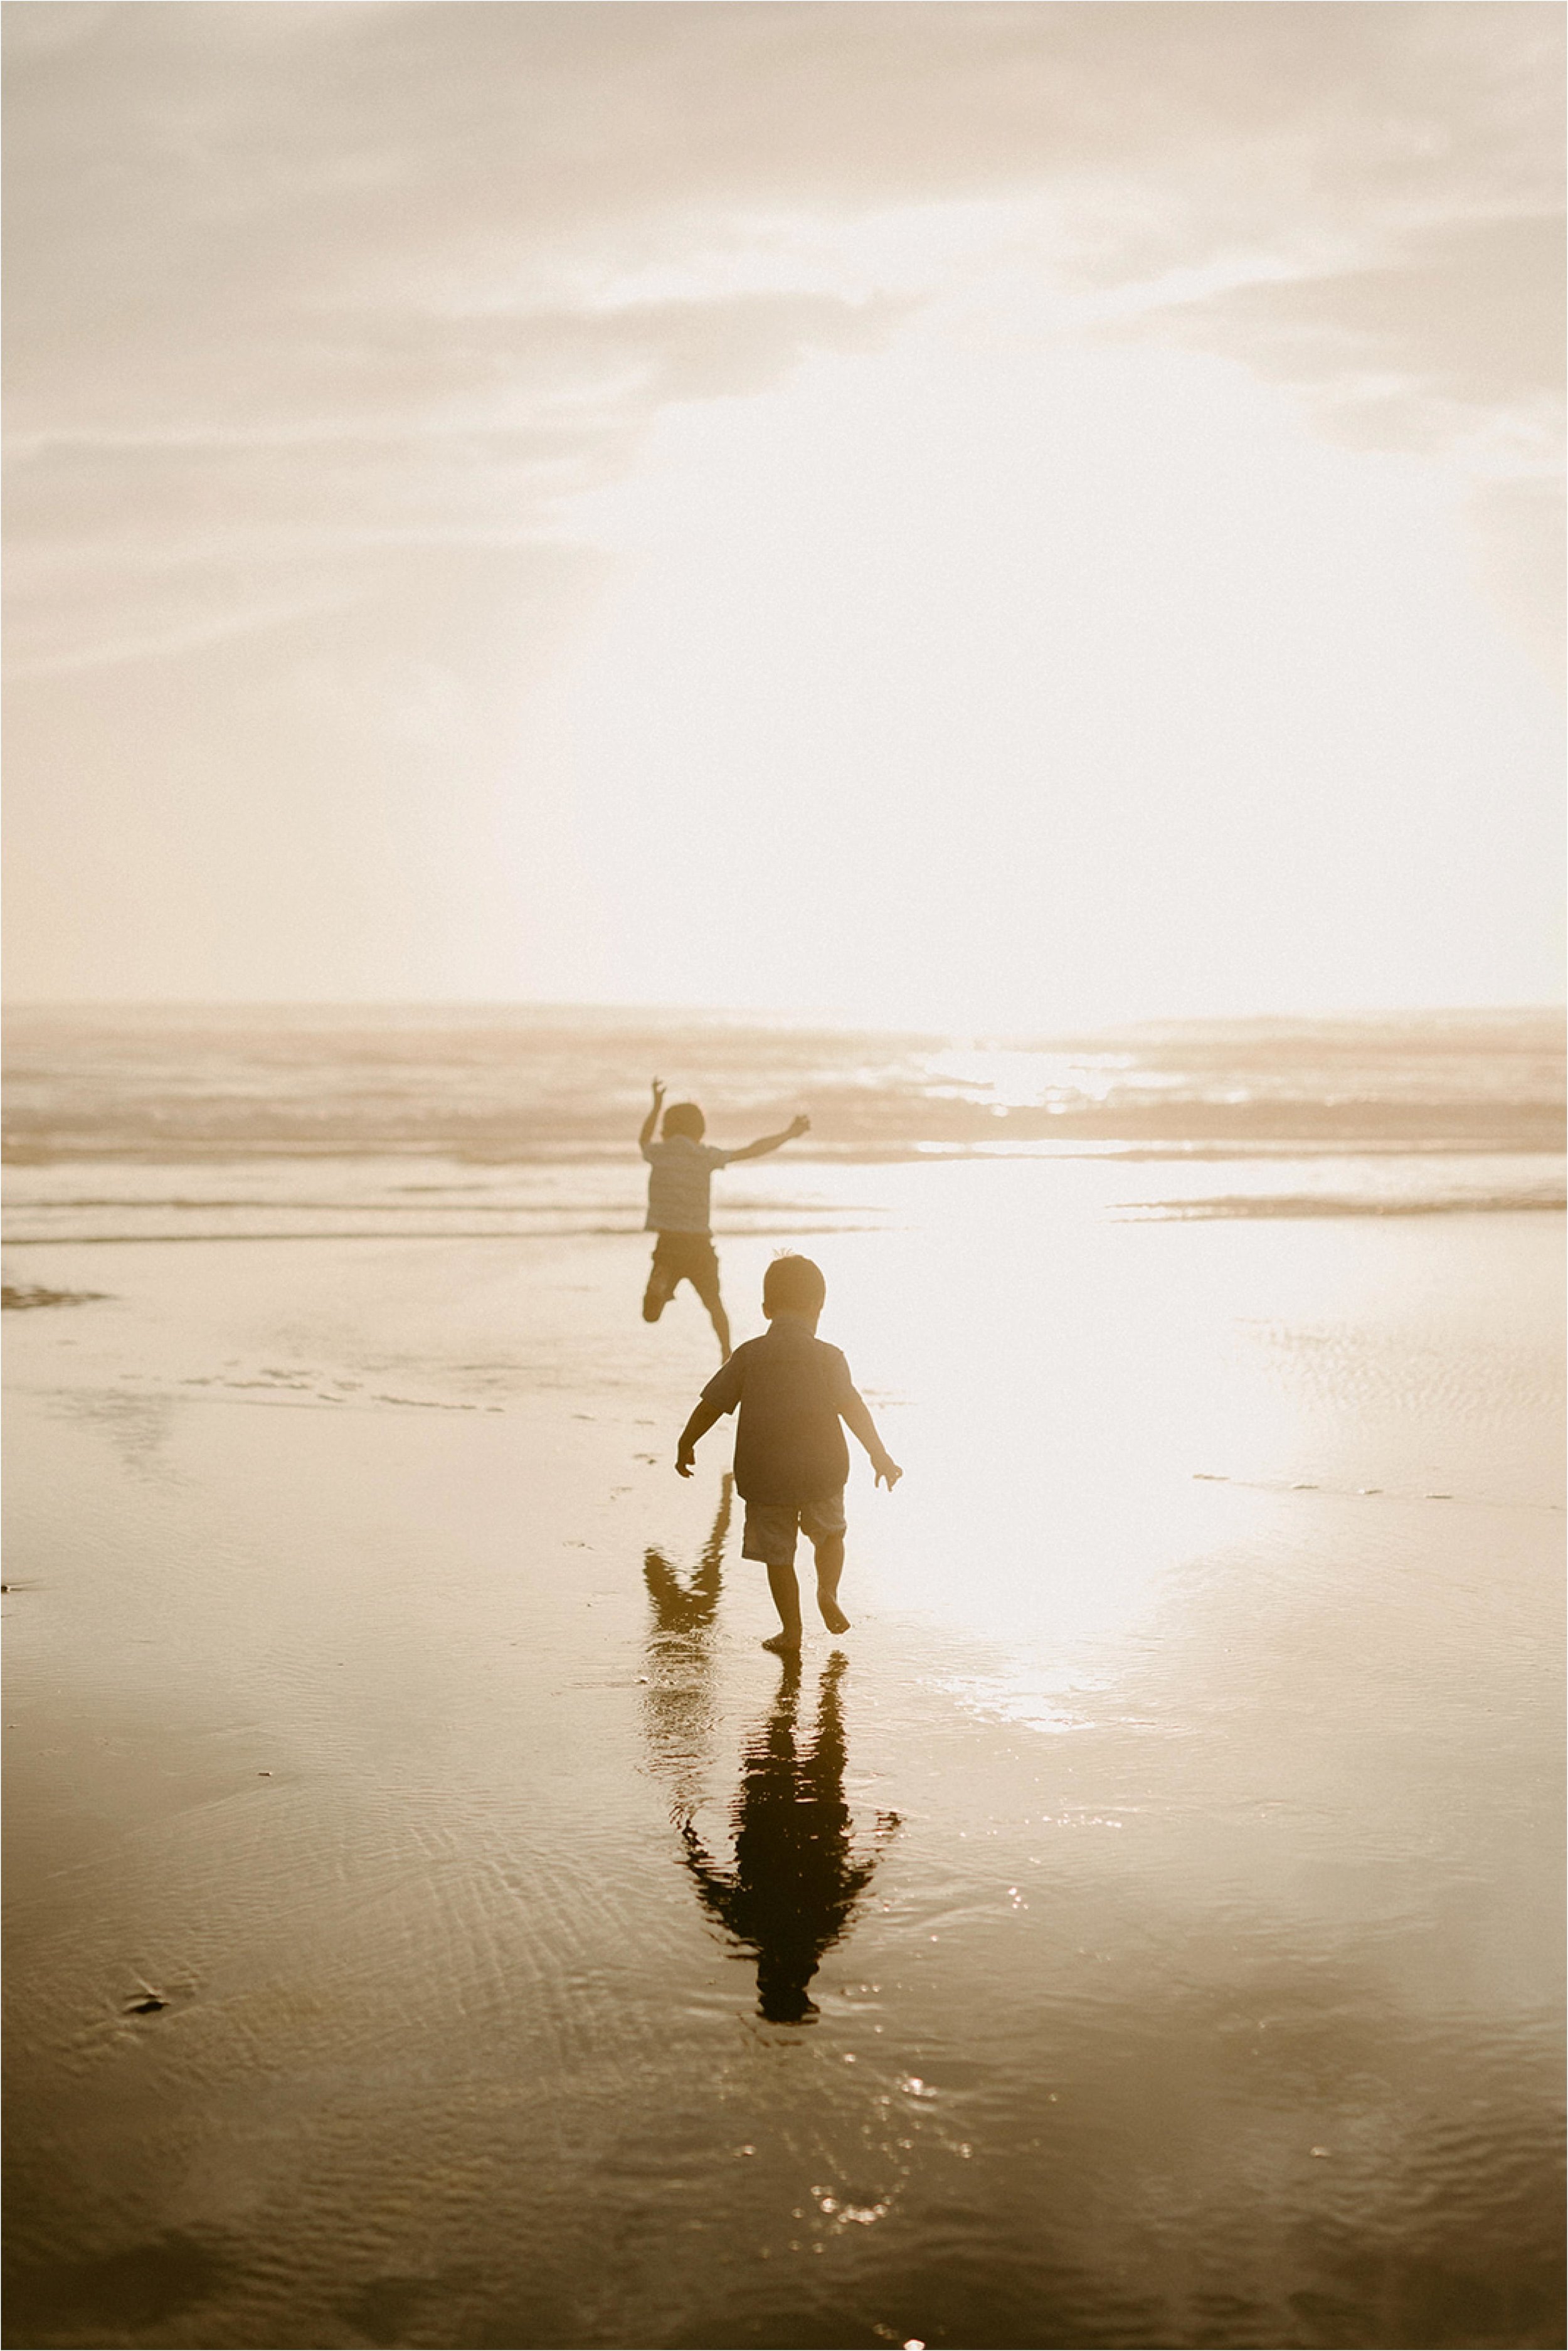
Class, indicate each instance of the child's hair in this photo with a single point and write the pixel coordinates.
(793, 1285)
(684, 1118)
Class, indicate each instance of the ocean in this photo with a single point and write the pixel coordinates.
(179, 1122)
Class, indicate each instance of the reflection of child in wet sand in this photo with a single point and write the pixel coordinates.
(796, 1880)
(790, 1458)
(681, 1608)
(680, 1169)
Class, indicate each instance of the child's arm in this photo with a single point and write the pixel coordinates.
(652, 1121)
(767, 1142)
(858, 1419)
(721, 1394)
(704, 1416)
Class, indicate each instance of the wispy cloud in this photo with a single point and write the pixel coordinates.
(1466, 322)
(373, 273)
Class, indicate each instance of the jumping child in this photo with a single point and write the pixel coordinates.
(680, 1170)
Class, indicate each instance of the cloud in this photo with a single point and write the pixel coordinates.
(1468, 316)
(327, 321)
(1452, 345)
(285, 278)
(473, 437)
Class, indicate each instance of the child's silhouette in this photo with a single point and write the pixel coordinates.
(797, 1882)
(790, 1458)
(680, 1169)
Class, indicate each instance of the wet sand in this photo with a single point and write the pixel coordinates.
(1142, 1929)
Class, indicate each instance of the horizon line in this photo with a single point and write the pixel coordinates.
(769, 1015)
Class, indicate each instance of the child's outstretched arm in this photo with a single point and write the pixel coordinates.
(858, 1419)
(766, 1142)
(704, 1416)
(652, 1121)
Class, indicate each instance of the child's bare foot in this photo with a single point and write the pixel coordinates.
(833, 1616)
(783, 1646)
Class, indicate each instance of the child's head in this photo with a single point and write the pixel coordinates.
(793, 1285)
(684, 1118)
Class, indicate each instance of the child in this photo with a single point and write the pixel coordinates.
(681, 1168)
(790, 1458)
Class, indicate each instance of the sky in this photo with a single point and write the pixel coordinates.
(1024, 515)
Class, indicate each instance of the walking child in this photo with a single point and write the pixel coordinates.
(680, 1171)
(790, 1458)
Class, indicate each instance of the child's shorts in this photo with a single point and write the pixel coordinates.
(677, 1258)
(770, 1527)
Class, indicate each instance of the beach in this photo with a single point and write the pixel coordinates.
(1175, 1954)
(647, 640)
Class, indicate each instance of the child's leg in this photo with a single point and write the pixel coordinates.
(830, 1550)
(661, 1288)
(769, 1537)
(823, 1522)
(787, 1600)
(704, 1278)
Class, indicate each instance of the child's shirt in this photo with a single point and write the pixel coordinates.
(679, 1174)
(791, 1387)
